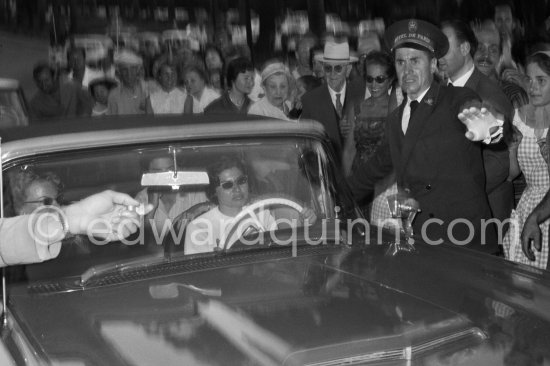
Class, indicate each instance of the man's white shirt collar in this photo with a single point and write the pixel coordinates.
(461, 81)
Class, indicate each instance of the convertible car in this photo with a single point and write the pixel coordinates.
(330, 291)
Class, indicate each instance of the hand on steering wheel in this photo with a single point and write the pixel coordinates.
(249, 212)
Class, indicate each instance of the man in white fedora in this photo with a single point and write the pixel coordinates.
(327, 103)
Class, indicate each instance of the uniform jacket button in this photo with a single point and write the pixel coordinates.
(428, 187)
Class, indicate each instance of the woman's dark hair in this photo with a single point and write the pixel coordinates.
(214, 171)
(380, 58)
(236, 67)
(541, 59)
(310, 82)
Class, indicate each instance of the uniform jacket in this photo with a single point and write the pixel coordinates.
(435, 162)
(317, 105)
(496, 157)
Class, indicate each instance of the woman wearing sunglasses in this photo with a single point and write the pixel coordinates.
(368, 119)
(228, 189)
(33, 190)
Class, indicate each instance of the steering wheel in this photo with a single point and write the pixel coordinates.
(249, 211)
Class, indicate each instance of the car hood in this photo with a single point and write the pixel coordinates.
(331, 306)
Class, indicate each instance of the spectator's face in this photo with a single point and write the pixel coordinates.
(161, 164)
(378, 81)
(213, 60)
(129, 75)
(194, 84)
(215, 79)
(451, 64)
(77, 61)
(415, 70)
(336, 74)
(244, 82)
(45, 82)
(539, 85)
(276, 89)
(101, 94)
(504, 19)
(318, 70)
(39, 193)
(233, 189)
(167, 78)
(487, 54)
(302, 52)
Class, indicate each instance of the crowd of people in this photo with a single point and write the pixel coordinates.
(405, 112)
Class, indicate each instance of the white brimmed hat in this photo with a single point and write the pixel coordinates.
(336, 53)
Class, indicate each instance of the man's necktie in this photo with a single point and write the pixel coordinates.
(339, 106)
(413, 105)
(188, 105)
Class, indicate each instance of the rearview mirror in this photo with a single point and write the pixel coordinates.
(175, 179)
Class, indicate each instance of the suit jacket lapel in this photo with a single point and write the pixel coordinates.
(417, 123)
(473, 80)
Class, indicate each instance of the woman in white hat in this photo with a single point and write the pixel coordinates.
(277, 84)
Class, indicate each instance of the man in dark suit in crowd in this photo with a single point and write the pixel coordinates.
(326, 103)
(426, 145)
(459, 66)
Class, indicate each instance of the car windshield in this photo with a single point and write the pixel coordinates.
(199, 192)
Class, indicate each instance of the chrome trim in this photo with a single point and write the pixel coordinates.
(93, 139)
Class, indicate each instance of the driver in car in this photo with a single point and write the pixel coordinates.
(229, 189)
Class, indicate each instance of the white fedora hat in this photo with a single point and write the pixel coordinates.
(335, 53)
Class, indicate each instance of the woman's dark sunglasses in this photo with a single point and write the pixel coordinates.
(46, 201)
(229, 184)
(379, 79)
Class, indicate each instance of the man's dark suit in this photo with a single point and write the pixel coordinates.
(496, 157)
(317, 105)
(434, 161)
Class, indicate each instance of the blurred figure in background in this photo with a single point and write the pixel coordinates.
(215, 66)
(130, 96)
(56, 98)
(488, 60)
(79, 72)
(196, 84)
(99, 90)
(303, 56)
(169, 99)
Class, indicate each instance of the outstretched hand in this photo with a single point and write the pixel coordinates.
(482, 125)
(109, 215)
(531, 236)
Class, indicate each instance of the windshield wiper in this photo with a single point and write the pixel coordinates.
(119, 266)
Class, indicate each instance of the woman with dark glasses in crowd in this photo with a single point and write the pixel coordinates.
(368, 118)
